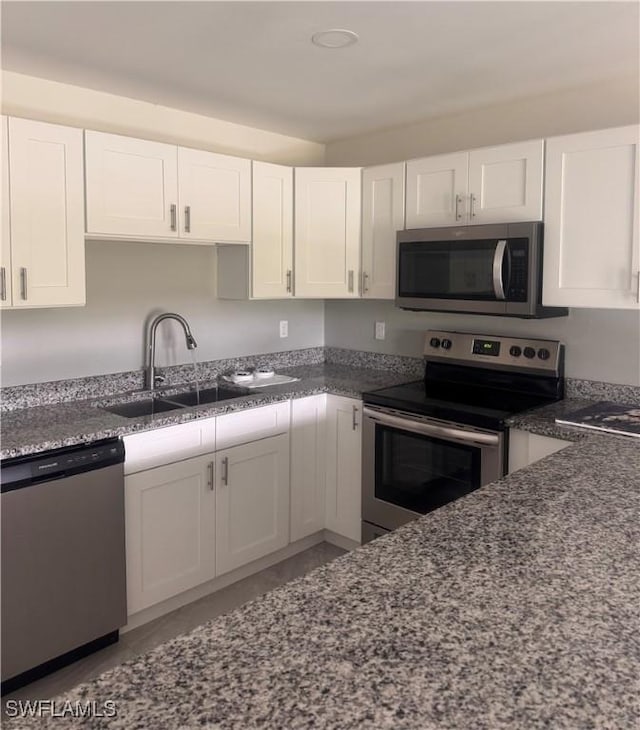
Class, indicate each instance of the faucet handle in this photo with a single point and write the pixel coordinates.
(158, 379)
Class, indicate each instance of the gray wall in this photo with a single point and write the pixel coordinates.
(600, 344)
(125, 283)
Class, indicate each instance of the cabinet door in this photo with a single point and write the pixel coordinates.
(215, 196)
(131, 185)
(47, 214)
(344, 468)
(327, 232)
(382, 217)
(437, 190)
(526, 448)
(505, 183)
(308, 457)
(252, 501)
(170, 523)
(272, 246)
(5, 243)
(591, 247)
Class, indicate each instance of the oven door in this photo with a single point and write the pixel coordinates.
(412, 465)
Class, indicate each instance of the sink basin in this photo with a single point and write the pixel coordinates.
(137, 408)
(208, 395)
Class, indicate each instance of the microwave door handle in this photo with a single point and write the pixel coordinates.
(432, 430)
(498, 260)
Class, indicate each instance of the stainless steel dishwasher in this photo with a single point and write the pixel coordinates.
(63, 558)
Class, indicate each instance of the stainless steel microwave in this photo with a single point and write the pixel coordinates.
(490, 269)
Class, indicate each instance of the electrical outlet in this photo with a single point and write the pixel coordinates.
(379, 330)
(284, 328)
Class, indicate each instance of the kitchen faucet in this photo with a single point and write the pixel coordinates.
(151, 376)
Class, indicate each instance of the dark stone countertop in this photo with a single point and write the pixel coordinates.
(513, 608)
(37, 429)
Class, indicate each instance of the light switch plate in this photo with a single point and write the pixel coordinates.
(380, 326)
(284, 328)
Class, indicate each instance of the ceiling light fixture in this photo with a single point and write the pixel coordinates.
(334, 38)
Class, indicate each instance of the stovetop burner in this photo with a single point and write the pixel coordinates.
(479, 380)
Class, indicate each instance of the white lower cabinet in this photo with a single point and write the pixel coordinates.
(252, 501)
(526, 448)
(267, 485)
(343, 509)
(170, 529)
(308, 465)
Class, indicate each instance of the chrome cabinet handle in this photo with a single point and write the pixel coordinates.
(173, 211)
(472, 206)
(498, 258)
(3, 284)
(350, 281)
(187, 219)
(289, 287)
(225, 470)
(365, 288)
(23, 283)
(354, 421)
(210, 477)
(409, 424)
(458, 202)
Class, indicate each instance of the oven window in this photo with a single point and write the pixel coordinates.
(421, 473)
(447, 270)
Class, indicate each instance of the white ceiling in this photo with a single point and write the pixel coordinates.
(253, 62)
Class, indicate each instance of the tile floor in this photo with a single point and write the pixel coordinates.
(146, 637)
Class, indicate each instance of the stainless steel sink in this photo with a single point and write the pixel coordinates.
(137, 408)
(208, 395)
(152, 406)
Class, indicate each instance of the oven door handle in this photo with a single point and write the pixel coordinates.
(498, 260)
(485, 439)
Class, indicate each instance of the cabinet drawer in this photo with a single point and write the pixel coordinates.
(252, 424)
(171, 443)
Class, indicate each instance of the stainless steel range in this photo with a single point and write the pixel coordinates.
(430, 442)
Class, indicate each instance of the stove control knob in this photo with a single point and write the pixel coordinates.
(515, 351)
(543, 353)
(446, 344)
(529, 352)
(434, 342)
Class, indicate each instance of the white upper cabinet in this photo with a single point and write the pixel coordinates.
(327, 232)
(382, 217)
(488, 185)
(272, 248)
(6, 296)
(505, 183)
(46, 215)
(437, 190)
(591, 255)
(263, 270)
(150, 190)
(215, 196)
(131, 186)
